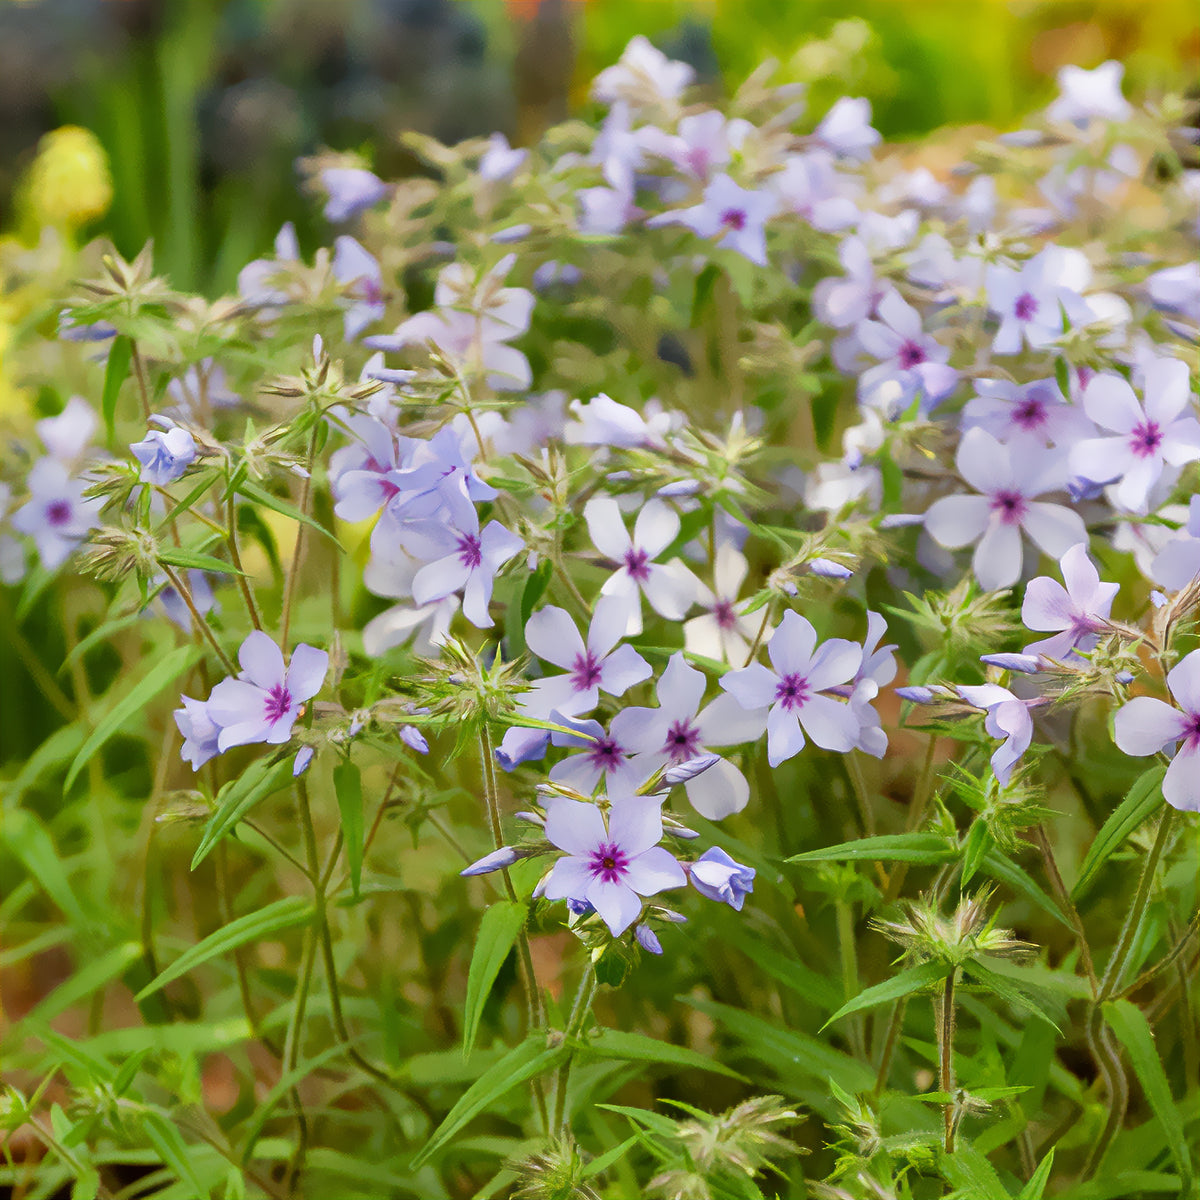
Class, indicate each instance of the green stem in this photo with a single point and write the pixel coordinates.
(580, 1008)
(139, 372)
(289, 589)
(200, 623)
(916, 814)
(895, 1024)
(1066, 904)
(859, 782)
(235, 554)
(946, 1023)
(849, 960)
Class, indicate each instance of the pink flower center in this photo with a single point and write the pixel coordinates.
(911, 354)
(585, 672)
(1030, 414)
(683, 741)
(605, 754)
(608, 863)
(1009, 506)
(277, 703)
(1025, 307)
(635, 563)
(792, 692)
(1191, 734)
(723, 612)
(733, 218)
(58, 513)
(1145, 439)
(469, 552)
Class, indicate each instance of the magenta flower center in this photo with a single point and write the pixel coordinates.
(1009, 506)
(1191, 733)
(1030, 414)
(635, 563)
(277, 703)
(608, 863)
(911, 354)
(791, 692)
(683, 741)
(724, 614)
(585, 672)
(58, 513)
(469, 552)
(1145, 439)
(733, 218)
(605, 753)
(1025, 307)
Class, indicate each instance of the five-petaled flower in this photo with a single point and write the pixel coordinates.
(1078, 612)
(612, 864)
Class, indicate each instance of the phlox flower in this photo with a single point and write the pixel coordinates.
(350, 191)
(721, 632)
(391, 575)
(602, 754)
(500, 161)
(733, 213)
(643, 72)
(877, 670)
(1146, 726)
(680, 730)
(263, 702)
(911, 362)
(1030, 301)
(200, 732)
(604, 422)
(164, 454)
(57, 515)
(68, 435)
(703, 142)
(1026, 413)
(792, 691)
(460, 558)
(670, 588)
(1008, 482)
(1084, 95)
(846, 128)
(610, 865)
(811, 187)
(715, 875)
(358, 272)
(1159, 431)
(1078, 612)
(1178, 562)
(1008, 718)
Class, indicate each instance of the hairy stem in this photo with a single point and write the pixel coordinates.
(1066, 904)
(198, 621)
(580, 1008)
(946, 1024)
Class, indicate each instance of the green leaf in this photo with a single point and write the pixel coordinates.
(535, 587)
(347, 782)
(33, 846)
(1035, 1189)
(164, 672)
(238, 797)
(978, 843)
(655, 1122)
(811, 986)
(1029, 998)
(175, 556)
(929, 848)
(92, 974)
(904, 984)
(637, 1047)
(971, 1173)
(87, 1184)
(1000, 866)
(203, 480)
(1133, 1031)
(165, 1137)
(284, 507)
(1143, 799)
(532, 1057)
(498, 932)
(282, 914)
(120, 355)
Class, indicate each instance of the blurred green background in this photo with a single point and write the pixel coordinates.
(203, 106)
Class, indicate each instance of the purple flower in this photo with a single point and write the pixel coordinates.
(1008, 718)
(1087, 94)
(679, 730)
(846, 128)
(164, 455)
(671, 588)
(1030, 301)
(842, 301)
(358, 272)
(1031, 412)
(878, 669)
(56, 516)
(1178, 562)
(611, 867)
(497, 860)
(721, 632)
(263, 702)
(200, 732)
(1148, 436)
(604, 422)
(643, 69)
(715, 875)
(811, 187)
(500, 161)
(911, 362)
(351, 190)
(1146, 726)
(176, 608)
(1078, 612)
(464, 558)
(304, 757)
(602, 755)
(648, 939)
(66, 437)
(734, 214)
(704, 142)
(1008, 483)
(793, 690)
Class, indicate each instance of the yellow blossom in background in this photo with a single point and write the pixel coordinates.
(69, 183)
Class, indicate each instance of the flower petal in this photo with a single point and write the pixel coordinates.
(606, 528)
(719, 791)
(618, 905)
(1145, 726)
(569, 879)
(791, 648)
(956, 521)
(998, 557)
(752, 687)
(306, 672)
(656, 527)
(573, 826)
(784, 739)
(1053, 527)
(830, 723)
(654, 871)
(261, 660)
(551, 634)
(1184, 681)
(1181, 784)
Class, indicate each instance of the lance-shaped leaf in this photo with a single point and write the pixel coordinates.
(928, 848)
(1144, 798)
(347, 783)
(238, 797)
(498, 933)
(914, 979)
